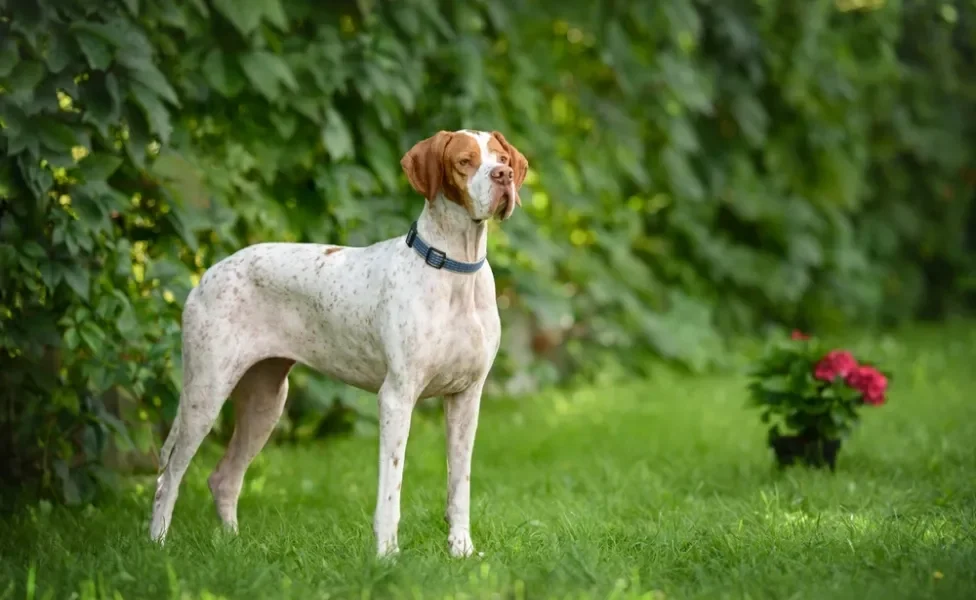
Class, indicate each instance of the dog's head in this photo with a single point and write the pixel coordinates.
(478, 170)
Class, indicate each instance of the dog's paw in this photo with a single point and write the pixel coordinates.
(230, 527)
(157, 532)
(387, 550)
(460, 544)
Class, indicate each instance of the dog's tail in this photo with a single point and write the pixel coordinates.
(167, 450)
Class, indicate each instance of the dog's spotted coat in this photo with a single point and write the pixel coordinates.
(378, 318)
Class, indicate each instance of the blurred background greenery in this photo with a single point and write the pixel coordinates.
(700, 172)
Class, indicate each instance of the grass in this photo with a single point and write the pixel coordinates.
(653, 489)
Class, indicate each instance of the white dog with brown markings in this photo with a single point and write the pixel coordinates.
(408, 318)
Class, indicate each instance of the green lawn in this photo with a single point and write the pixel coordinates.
(655, 489)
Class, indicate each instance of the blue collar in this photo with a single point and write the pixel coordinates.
(437, 258)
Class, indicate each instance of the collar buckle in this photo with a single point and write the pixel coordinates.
(435, 253)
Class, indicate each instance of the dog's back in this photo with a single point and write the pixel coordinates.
(312, 303)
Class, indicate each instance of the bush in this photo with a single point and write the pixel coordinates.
(699, 170)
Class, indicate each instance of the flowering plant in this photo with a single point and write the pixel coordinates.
(810, 397)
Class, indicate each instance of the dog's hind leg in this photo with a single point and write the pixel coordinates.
(199, 407)
(259, 399)
(209, 376)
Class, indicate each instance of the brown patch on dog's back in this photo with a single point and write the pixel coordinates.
(332, 250)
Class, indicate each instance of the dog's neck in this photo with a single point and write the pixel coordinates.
(448, 227)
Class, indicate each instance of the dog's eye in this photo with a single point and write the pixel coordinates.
(463, 162)
(503, 160)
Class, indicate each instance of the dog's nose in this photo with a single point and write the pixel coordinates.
(502, 174)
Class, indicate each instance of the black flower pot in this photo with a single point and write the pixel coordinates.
(805, 449)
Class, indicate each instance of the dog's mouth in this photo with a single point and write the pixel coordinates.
(502, 205)
(505, 201)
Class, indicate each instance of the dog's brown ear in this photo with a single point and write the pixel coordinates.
(424, 164)
(519, 164)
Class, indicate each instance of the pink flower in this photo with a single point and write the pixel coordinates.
(870, 382)
(835, 363)
(799, 335)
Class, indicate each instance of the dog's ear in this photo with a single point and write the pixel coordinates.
(424, 164)
(518, 162)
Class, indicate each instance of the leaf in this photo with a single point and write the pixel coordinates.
(9, 57)
(102, 98)
(133, 6)
(308, 107)
(146, 73)
(285, 123)
(156, 113)
(56, 136)
(78, 280)
(96, 51)
(202, 9)
(691, 87)
(71, 338)
(806, 249)
(7, 185)
(275, 14)
(38, 178)
(281, 69)
(682, 135)
(682, 17)
(683, 180)
(33, 250)
(127, 322)
(17, 129)
(26, 76)
(176, 219)
(266, 71)
(93, 336)
(99, 166)
(336, 136)
(751, 117)
(776, 384)
(112, 33)
(106, 306)
(633, 166)
(29, 19)
(117, 426)
(380, 154)
(127, 38)
(223, 77)
(262, 80)
(245, 15)
(409, 19)
(139, 136)
(59, 53)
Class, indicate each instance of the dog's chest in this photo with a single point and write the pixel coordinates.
(461, 353)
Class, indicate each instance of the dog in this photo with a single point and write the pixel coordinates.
(407, 318)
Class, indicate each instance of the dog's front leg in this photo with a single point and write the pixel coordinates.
(461, 412)
(396, 404)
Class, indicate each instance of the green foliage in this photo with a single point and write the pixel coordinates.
(697, 170)
(85, 324)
